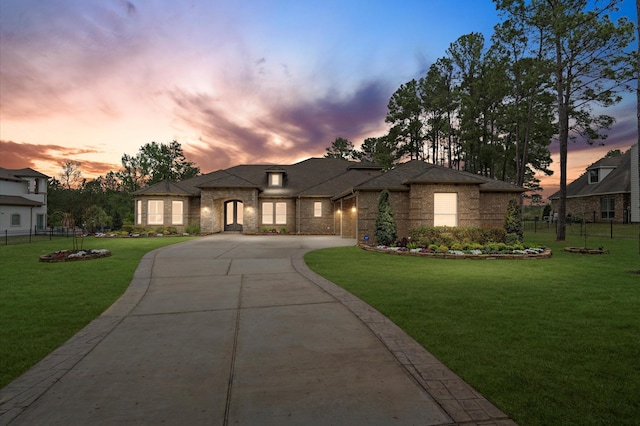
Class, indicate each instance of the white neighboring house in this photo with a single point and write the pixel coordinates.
(23, 201)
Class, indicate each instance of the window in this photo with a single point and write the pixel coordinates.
(281, 213)
(155, 212)
(608, 208)
(176, 213)
(274, 213)
(593, 176)
(275, 179)
(36, 186)
(40, 221)
(317, 209)
(267, 213)
(445, 209)
(15, 219)
(139, 212)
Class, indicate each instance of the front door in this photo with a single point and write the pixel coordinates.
(233, 215)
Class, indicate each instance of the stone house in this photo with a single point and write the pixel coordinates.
(324, 196)
(23, 201)
(604, 192)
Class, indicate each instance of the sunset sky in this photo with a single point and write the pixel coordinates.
(253, 81)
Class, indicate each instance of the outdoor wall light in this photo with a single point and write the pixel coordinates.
(353, 209)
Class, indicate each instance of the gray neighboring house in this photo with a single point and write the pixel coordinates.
(23, 201)
(324, 196)
(607, 191)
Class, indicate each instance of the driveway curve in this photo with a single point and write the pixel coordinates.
(232, 329)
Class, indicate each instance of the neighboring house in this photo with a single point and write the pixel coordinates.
(324, 196)
(604, 192)
(23, 201)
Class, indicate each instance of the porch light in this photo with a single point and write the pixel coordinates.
(353, 209)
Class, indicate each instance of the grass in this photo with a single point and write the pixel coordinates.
(44, 304)
(553, 341)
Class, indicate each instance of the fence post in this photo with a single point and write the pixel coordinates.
(611, 229)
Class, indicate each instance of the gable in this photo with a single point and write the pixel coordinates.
(616, 180)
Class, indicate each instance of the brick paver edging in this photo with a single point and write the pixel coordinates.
(463, 403)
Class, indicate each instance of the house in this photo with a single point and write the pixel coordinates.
(604, 192)
(23, 201)
(324, 196)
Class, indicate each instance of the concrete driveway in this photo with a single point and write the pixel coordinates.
(233, 329)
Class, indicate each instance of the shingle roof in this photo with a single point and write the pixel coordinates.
(14, 200)
(326, 177)
(167, 187)
(416, 171)
(16, 174)
(616, 182)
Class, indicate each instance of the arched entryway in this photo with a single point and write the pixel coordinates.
(233, 215)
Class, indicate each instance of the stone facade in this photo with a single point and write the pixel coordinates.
(212, 209)
(142, 217)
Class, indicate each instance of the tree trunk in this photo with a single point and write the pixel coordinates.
(563, 139)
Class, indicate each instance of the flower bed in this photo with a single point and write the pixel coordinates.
(73, 255)
(527, 253)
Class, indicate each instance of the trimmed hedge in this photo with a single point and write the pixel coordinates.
(426, 236)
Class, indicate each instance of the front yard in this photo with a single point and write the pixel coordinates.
(549, 341)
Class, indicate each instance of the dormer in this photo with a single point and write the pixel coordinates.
(275, 177)
(597, 174)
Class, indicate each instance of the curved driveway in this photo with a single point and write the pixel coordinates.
(233, 329)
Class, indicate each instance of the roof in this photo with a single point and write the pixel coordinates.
(419, 172)
(618, 181)
(17, 174)
(326, 177)
(14, 200)
(311, 177)
(167, 188)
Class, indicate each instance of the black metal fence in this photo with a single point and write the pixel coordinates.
(35, 234)
(608, 229)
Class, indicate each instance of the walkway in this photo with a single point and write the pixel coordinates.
(233, 329)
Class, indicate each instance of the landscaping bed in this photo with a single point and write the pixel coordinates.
(74, 255)
(529, 253)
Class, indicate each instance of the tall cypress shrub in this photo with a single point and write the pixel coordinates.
(385, 223)
(513, 222)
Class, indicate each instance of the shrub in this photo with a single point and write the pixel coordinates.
(443, 235)
(513, 219)
(192, 229)
(385, 224)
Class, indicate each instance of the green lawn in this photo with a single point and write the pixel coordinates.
(44, 304)
(553, 341)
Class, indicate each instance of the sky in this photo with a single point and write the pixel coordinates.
(234, 82)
